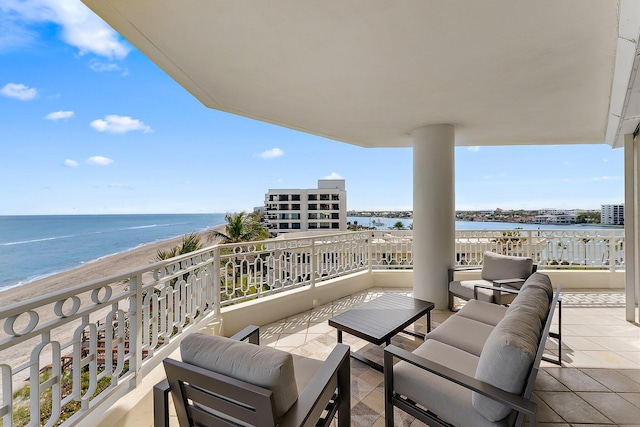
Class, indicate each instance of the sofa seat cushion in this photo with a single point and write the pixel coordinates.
(463, 333)
(506, 359)
(464, 288)
(265, 367)
(482, 311)
(449, 400)
(498, 267)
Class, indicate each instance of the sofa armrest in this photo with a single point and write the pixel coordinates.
(251, 334)
(513, 401)
(321, 390)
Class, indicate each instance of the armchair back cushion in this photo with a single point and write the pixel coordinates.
(262, 366)
(500, 267)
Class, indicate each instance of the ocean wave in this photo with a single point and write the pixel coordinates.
(44, 239)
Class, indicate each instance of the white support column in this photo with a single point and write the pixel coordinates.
(630, 225)
(433, 211)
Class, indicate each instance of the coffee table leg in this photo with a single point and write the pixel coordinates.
(428, 321)
(339, 336)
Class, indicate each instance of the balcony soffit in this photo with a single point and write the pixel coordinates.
(370, 72)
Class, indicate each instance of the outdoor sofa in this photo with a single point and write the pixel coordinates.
(478, 367)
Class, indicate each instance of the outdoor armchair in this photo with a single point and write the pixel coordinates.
(225, 381)
(498, 271)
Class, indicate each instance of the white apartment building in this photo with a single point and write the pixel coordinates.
(612, 214)
(293, 210)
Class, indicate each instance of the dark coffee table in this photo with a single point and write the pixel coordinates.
(378, 320)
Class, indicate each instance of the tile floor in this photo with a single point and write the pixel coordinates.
(598, 385)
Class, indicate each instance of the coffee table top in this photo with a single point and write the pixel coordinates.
(380, 319)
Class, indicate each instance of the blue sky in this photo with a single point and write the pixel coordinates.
(89, 125)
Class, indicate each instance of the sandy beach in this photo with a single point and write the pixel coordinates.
(103, 267)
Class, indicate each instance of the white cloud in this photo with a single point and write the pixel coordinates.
(70, 163)
(57, 115)
(80, 26)
(101, 67)
(19, 91)
(99, 161)
(119, 124)
(474, 149)
(605, 178)
(333, 175)
(271, 154)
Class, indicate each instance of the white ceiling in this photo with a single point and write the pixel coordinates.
(369, 72)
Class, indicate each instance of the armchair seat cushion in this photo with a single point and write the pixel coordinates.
(454, 402)
(265, 367)
(466, 334)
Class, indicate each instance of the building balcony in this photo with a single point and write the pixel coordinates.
(116, 331)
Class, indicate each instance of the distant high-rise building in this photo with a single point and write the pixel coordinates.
(323, 208)
(612, 214)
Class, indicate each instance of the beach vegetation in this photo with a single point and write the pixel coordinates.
(241, 227)
(190, 242)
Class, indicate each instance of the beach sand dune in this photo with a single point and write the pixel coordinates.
(97, 269)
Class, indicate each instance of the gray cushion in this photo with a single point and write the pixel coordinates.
(262, 366)
(507, 358)
(448, 400)
(482, 311)
(463, 333)
(540, 281)
(532, 299)
(498, 267)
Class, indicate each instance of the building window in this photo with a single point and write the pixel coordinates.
(284, 207)
(335, 216)
(295, 207)
(324, 225)
(313, 225)
(335, 197)
(335, 225)
(324, 197)
(313, 207)
(283, 198)
(324, 206)
(335, 207)
(313, 216)
(295, 225)
(295, 197)
(295, 216)
(313, 197)
(283, 226)
(283, 216)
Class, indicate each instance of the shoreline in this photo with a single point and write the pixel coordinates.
(97, 268)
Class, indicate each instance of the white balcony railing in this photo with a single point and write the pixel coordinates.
(66, 352)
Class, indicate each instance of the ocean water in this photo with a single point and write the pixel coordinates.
(33, 247)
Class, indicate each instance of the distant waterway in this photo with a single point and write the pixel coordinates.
(387, 223)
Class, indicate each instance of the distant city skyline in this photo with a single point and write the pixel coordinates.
(91, 126)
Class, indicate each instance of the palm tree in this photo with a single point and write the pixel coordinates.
(241, 227)
(399, 225)
(190, 242)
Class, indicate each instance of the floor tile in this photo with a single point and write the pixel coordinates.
(572, 408)
(613, 380)
(613, 407)
(575, 380)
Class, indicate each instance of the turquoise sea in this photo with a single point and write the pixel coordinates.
(33, 247)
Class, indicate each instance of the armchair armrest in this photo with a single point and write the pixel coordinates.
(334, 373)
(513, 401)
(251, 333)
(496, 290)
(501, 282)
(451, 271)
(161, 404)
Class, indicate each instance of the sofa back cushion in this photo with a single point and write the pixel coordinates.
(265, 367)
(500, 267)
(506, 359)
(540, 281)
